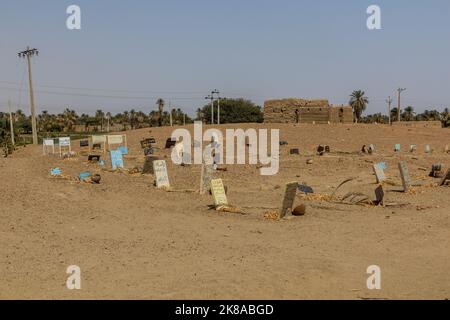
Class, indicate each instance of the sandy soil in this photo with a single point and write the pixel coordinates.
(133, 241)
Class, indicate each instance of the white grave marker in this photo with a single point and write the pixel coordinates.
(48, 143)
(379, 173)
(161, 175)
(218, 192)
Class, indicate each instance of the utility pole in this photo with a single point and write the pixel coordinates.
(218, 104)
(184, 119)
(170, 112)
(389, 102)
(28, 54)
(11, 126)
(399, 90)
(211, 97)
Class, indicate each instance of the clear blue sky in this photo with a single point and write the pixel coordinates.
(128, 53)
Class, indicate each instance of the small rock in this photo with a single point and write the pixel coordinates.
(299, 210)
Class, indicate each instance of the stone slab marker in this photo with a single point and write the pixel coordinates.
(161, 176)
(288, 199)
(404, 173)
(148, 165)
(445, 178)
(379, 173)
(206, 177)
(218, 192)
(379, 194)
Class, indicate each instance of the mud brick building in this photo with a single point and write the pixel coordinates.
(305, 111)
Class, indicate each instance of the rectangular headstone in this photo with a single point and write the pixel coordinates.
(84, 143)
(161, 175)
(397, 147)
(294, 151)
(288, 199)
(379, 173)
(93, 157)
(115, 139)
(206, 177)
(147, 142)
(116, 159)
(445, 178)
(148, 165)
(379, 194)
(413, 148)
(427, 148)
(218, 192)
(64, 142)
(404, 173)
(170, 143)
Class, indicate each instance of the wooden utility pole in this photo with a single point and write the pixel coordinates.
(11, 126)
(399, 90)
(211, 97)
(389, 102)
(170, 112)
(218, 103)
(28, 54)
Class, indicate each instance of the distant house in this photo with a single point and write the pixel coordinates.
(306, 111)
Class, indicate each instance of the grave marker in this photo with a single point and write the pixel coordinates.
(445, 178)
(379, 194)
(206, 177)
(48, 143)
(148, 165)
(218, 192)
(84, 143)
(93, 157)
(288, 199)
(404, 173)
(379, 173)
(413, 148)
(295, 151)
(117, 140)
(397, 147)
(64, 143)
(98, 143)
(116, 159)
(428, 149)
(147, 143)
(161, 175)
(170, 143)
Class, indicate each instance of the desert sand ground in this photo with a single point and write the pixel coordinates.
(133, 241)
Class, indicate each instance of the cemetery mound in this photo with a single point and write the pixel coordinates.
(135, 241)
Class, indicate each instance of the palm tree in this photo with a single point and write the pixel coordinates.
(69, 118)
(99, 116)
(160, 104)
(359, 102)
(408, 113)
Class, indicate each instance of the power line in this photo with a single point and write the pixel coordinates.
(100, 96)
(108, 90)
